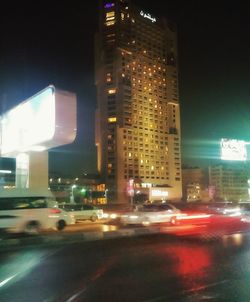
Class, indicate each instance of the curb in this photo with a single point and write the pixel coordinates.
(77, 237)
(68, 238)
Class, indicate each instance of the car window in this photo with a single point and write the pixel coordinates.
(21, 203)
(165, 207)
(148, 208)
(87, 207)
(68, 207)
(78, 207)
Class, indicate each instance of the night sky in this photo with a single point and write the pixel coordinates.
(46, 43)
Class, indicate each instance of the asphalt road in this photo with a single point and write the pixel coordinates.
(145, 269)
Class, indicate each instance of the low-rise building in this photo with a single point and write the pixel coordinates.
(195, 184)
(229, 181)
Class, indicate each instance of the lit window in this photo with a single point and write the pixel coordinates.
(122, 16)
(112, 91)
(109, 23)
(110, 14)
(109, 165)
(112, 119)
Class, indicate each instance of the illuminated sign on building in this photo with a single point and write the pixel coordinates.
(147, 16)
(159, 193)
(46, 120)
(109, 5)
(233, 149)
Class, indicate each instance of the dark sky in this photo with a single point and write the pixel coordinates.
(51, 42)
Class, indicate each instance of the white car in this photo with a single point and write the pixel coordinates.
(84, 211)
(150, 213)
(29, 211)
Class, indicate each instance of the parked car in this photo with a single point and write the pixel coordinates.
(150, 213)
(29, 211)
(84, 211)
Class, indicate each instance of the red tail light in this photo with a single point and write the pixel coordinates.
(54, 211)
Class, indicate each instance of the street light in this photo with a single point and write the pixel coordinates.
(72, 199)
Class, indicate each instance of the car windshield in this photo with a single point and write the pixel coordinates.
(154, 208)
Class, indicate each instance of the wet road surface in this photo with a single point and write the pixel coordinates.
(145, 269)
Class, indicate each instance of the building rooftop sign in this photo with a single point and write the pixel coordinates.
(147, 16)
(233, 149)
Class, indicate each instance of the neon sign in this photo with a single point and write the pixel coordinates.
(147, 16)
(109, 5)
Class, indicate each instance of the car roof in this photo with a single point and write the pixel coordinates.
(26, 193)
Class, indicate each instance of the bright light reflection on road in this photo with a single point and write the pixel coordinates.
(107, 228)
(234, 239)
(20, 265)
(2, 283)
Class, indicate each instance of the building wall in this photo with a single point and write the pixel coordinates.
(138, 115)
(195, 184)
(230, 181)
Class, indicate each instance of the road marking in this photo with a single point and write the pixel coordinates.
(185, 292)
(72, 298)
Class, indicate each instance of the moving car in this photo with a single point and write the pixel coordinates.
(84, 211)
(151, 213)
(29, 211)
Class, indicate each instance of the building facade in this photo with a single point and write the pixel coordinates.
(138, 115)
(230, 181)
(195, 184)
(87, 189)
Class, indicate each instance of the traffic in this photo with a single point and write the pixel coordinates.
(37, 212)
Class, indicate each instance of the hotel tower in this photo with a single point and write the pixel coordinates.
(138, 114)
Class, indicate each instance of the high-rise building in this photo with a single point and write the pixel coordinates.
(138, 115)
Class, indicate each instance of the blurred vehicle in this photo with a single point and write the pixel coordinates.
(151, 213)
(111, 215)
(244, 208)
(210, 225)
(29, 211)
(221, 208)
(84, 211)
(113, 212)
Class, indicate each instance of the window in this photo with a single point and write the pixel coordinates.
(109, 23)
(21, 203)
(112, 119)
(111, 91)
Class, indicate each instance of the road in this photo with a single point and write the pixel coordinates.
(151, 268)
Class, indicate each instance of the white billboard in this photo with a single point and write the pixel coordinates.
(46, 120)
(233, 149)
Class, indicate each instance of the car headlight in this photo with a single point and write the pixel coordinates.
(133, 216)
